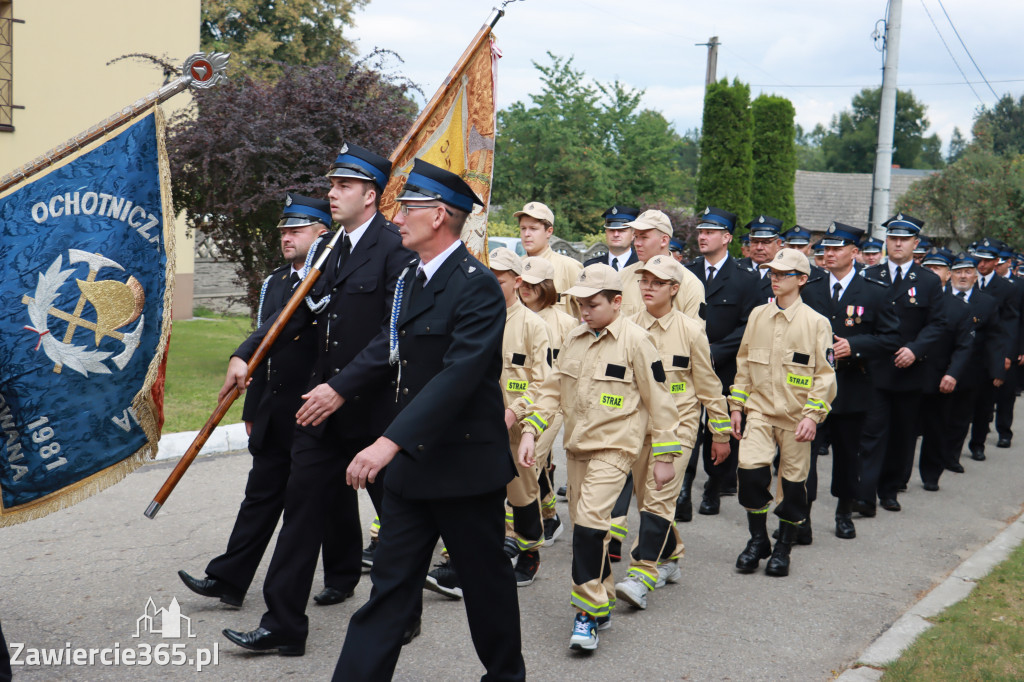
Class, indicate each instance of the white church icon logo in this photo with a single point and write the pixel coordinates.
(166, 622)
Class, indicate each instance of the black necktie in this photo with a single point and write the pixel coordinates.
(836, 288)
(711, 272)
(983, 285)
(615, 263)
(898, 279)
(417, 285)
(962, 295)
(293, 280)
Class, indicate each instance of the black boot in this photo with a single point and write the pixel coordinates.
(710, 503)
(778, 562)
(684, 505)
(804, 537)
(758, 547)
(844, 520)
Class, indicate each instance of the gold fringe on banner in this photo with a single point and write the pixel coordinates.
(143, 404)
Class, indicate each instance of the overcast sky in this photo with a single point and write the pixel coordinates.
(817, 53)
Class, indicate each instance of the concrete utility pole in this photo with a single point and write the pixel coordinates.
(711, 75)
(886, 121)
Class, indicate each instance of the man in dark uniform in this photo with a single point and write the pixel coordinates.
(798, 238)
(619, 238)
(730, 294)
(1006, 395)
(271, 401)
(864, 328)
(447, 450)
(765, 242)
(871, 252)
(986, 361)
(890, 430)
(947, 365)
(349, 303)
(987, 254)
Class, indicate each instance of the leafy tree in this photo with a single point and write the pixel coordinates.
(774, 155)
(809, 154)
(957, 146)
(262, 36)
(980, 194)
(726, 150)
(243, 144)
(851, 140)
(1001, 128)
(581, 147)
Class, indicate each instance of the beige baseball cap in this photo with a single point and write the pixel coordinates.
(505, 259)
(664, 267)
(537, 269)
(789, 259)
(594, 279)
(537, 210)
(652, 219)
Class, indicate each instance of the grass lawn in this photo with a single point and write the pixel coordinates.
(981, 638)
(196, 363)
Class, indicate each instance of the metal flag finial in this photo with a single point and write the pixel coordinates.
(206, 70)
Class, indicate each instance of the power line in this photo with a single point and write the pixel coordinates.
(966, 50)
(875, 85)
(951, 53)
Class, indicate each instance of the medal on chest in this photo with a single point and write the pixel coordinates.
(912, 292)
(849, 316)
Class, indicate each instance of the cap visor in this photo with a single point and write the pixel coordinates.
(582, 292)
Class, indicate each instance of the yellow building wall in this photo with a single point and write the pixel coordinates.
(62, 79)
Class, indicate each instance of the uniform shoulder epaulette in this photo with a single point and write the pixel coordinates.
(284, 269)
(471, 267)
(871, 277)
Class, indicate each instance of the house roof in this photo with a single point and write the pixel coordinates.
(824, 197)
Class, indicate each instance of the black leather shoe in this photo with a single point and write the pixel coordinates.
(262, 639)
(710, 504)
(890, 504)
(1003, 443)
(955, 468)
(211, 587)
(330, 595)
(928, 485)
(563, 492)
(864, 508)
(844, 527)
(977, 453)
(728, 490)
(412, 633)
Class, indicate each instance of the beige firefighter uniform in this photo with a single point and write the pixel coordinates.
(784, 373)
(686, 356)
(566, 271)
(559, 326)
(610, 388)
(526, 354)
(689, 300)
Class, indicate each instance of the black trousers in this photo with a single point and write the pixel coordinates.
(887, 444)
(261, 510)
(5, 659)
(1006, 397)
(316, 487)
(984, 406)
(938, 436)
(844, 433)
(474, 532)
(961, 414)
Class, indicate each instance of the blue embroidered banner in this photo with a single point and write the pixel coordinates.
(83, 301)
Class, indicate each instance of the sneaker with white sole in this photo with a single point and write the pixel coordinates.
(632, 591)
(668, 572)
(526, 568)
(444, 580)
(584, 632)
(552, 529)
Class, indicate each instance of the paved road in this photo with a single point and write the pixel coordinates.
(81, 578)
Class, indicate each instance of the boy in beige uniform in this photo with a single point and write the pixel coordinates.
(652, 233)
(526, 351)
(538, 294)
(686, 357)
(610, 385)
(536, 226)
(785, 382)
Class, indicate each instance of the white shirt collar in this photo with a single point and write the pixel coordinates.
(622, 258)
(843, 283)
(717, 266)
(355, 235)
(984, 280)
(967, 294)
(893, 268)
(437, 261)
